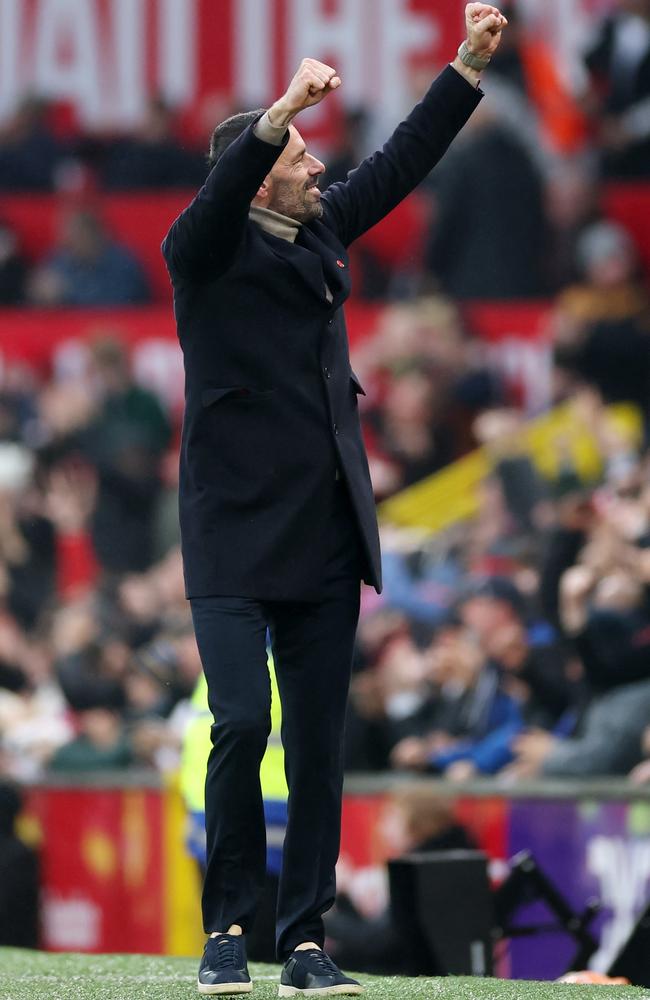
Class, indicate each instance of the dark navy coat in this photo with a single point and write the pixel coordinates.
(271, 406)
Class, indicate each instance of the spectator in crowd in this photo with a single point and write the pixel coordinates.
(606, 742)
(471, 715)
(13, 268)
(34, 718)
(152, 157)
(526, 62)
(27, 555)
(125, 444)
(619, 69)
(29, 151)
(571, 204)
(88, 268)
(499, 430)
(19, 889)
(350, 148)
(602, 325)
(504, 257)
(100, 744)
(416, 342)
(410, 429)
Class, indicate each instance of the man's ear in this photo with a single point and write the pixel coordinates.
(263, 190)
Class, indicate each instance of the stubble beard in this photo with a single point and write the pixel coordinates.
(300, 209)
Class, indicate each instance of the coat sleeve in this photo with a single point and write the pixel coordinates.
(207, 233)
(417, 144)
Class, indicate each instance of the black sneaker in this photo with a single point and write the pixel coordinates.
(312, 973)
(223, 968)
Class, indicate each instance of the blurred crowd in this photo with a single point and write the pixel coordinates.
(516, 644)
(544, 138)
(98, 659)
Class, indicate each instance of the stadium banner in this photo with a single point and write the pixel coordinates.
(101, 863)
(588, 849)
(116, 877)
(104, 58)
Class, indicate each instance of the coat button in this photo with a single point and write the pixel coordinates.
(336, 430)
(327, 372)
(329, 322)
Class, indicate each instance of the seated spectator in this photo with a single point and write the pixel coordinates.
(472, 717)
(619, 67)
(13, 268)
(607, 740)
(88, 268)
(535, 674)
(152, 157)
(101, 744)
(29, 152)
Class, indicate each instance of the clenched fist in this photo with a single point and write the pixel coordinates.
(484, 25)
(312, 82)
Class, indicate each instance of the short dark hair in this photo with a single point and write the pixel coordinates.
(229, 130)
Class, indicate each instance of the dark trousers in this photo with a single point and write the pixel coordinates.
(312, 646)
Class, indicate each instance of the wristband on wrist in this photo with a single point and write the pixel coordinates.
(469, 59)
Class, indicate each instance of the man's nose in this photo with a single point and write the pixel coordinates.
(316, 167)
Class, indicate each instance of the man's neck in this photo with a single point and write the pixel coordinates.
(274, 223)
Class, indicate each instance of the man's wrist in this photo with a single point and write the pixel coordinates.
(279, 115)
(470, 57)
(473, 76)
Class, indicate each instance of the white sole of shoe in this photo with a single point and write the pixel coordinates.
(325, 991)
(225, 989)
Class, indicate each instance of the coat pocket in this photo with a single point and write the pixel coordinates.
(213, 395)
(237, 434)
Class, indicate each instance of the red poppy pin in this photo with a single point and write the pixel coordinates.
(340, 263)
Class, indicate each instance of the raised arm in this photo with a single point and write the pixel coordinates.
(206, 234)
(385, 178)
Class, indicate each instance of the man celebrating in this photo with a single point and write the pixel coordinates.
(277, 511)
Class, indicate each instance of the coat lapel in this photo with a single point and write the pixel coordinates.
(306, 264)
(336, 276)
(314, 263)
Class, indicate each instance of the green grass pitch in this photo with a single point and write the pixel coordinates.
(28, 975)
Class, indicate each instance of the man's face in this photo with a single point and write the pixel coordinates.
(293, 182)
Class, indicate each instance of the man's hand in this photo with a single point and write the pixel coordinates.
(313, 81)
(484, 25)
